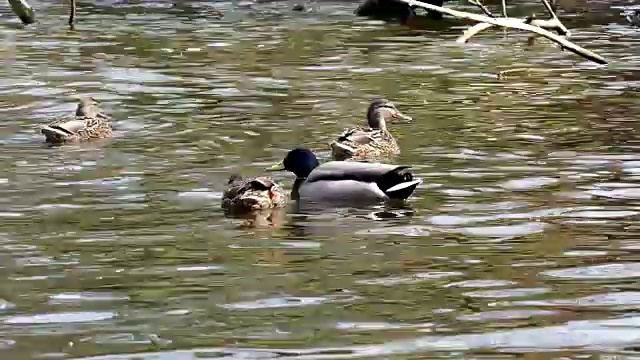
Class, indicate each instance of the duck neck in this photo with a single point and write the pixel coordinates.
(304, 169)
(295, 191)
(376, 121)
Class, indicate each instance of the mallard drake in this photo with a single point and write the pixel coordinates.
(346, 181)
(374, 142)
(89, 123)
(258, 193)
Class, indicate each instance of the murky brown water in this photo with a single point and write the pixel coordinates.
(521, 243)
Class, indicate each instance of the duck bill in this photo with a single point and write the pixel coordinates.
(277, 167)
(397, 115)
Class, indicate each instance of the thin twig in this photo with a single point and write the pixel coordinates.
(502, 74)
(504, 14)
(72, 14)
(513, 23)
(482, 7)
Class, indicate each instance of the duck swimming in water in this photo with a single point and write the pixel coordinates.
(89, 123)
(346, 181)
(372, 143)
(251, 194)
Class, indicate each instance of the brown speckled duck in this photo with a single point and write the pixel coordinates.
(251, 194)
(374, 142)
(89, 123)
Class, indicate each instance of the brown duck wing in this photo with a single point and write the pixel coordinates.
(262, 183)
(358, 135)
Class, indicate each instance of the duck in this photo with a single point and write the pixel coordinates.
(373, 143)
(89, 123)
(345, 181)
(633, 17)
(250, 194)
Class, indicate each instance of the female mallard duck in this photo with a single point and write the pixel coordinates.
(89, 123)
(374, 142)
(259, 193)
(346, 181)
(633, 17)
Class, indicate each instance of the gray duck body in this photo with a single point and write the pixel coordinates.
(346, 181)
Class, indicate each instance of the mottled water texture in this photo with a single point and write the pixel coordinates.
(521, 243)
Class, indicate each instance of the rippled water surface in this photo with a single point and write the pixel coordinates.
(522, 241)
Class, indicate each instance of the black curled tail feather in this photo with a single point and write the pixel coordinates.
(393, 178)
(390, 183)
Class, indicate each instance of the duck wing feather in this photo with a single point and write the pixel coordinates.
(351, 170)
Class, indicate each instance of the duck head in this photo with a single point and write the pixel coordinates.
(88, 106)
(299, 161)
(382, 110)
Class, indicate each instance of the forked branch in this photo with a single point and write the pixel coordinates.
(482, 7)
(550, 24)
(512, 23)
(562, 30)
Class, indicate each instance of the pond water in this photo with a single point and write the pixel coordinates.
(521, 243)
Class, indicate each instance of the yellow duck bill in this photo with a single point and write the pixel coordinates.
(277, 167)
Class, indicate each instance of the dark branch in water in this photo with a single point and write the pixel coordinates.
(23, 10)
(72, 14)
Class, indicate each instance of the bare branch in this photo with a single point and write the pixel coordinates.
(513, 23)
(562, 30)
(504, 8)
(472, 31)
(475, 29)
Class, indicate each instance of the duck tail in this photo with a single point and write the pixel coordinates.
(54, 134)
(398, 184)
(403, 190)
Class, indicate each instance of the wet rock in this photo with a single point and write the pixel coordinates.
(299, 7)
(393, 10)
